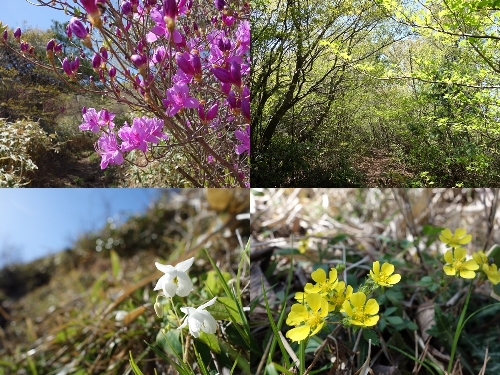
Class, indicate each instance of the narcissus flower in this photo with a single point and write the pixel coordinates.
(175, 281)
(460, 237)
(312, 315)
(384, 276)
(359, 311)
(456, 265)
(489, 268)
(198, 319)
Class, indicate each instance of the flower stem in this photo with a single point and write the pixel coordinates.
(460, 326)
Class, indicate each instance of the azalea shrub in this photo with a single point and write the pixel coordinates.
(183, 66)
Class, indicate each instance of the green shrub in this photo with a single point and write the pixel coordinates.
(22, 144)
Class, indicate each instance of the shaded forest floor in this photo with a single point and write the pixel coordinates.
(380, 168)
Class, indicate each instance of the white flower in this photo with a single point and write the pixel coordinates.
(175, 281)
(198, 319)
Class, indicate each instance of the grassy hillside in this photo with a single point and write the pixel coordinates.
(59, 314)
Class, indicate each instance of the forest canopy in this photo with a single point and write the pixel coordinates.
(375, 93)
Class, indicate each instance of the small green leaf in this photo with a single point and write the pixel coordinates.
(369, 334)
(225, 309)
(211, 340)
(115, 264)
(389, 310)
(395, 320)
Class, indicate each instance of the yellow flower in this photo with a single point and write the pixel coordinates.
(384, 276)
(313, 318)
(361, 314)
(339, 295)
(457, 265)
(303, 245)
(490, 269)
(455, 240)
(323, 285)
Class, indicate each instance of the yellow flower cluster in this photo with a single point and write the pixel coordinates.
(455, 258)
(329, 295)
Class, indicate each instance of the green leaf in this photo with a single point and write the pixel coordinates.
(369, 334)
(136, 369)
(338, 238)
(389, 310)
(394, 320)
(225, 309)
(213, 282)
(211, 340)
(170, 341)
(115, 264)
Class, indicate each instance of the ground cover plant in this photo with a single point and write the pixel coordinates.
(370, 281)
(164, 293)
(181, 67)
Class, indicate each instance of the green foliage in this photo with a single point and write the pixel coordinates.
(22, 145)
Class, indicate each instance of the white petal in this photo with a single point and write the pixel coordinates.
(169, 289)
(164, 267)
(206, 304)
(209, 324)
(195, 325)
(184, 285)
(159, 284)
(184, 323)
(185, 265)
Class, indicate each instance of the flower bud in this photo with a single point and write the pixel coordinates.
(50, 49)
(104, 54)
(139, 61)
(17, 34)
(112, 72)
(222, 74)
(67, 67)
(78, 28)
(58, 49)
(126, 8)
(96, 61)
(5, 35)
(158, 309)
(184, 64)
(236, 73)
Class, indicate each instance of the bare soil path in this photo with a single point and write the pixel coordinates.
(381, 169)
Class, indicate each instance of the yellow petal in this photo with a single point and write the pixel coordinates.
(314, 301)
(298, 333)
(460, 232)
(387, 268)
(470, 265)
(465, 240)
(467, 274)
(324, 307)
(371, 321)
(376, 267)
(459, 253)
(346, 307)
(319, 275)
(371, 307)
(332, 275)
(450, 271)
(358, 299)
(394, 279)
(318, 328)
(448, 256)
(479, 257)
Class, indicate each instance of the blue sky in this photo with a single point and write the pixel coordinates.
(36, 222)
(15, 12)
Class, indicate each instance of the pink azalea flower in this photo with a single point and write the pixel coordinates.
(161, 28)
(178, 98)
(134, 137)
(244, 138)
(108, 148)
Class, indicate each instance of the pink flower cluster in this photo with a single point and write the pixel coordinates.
(189, 69)
(135, 137)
